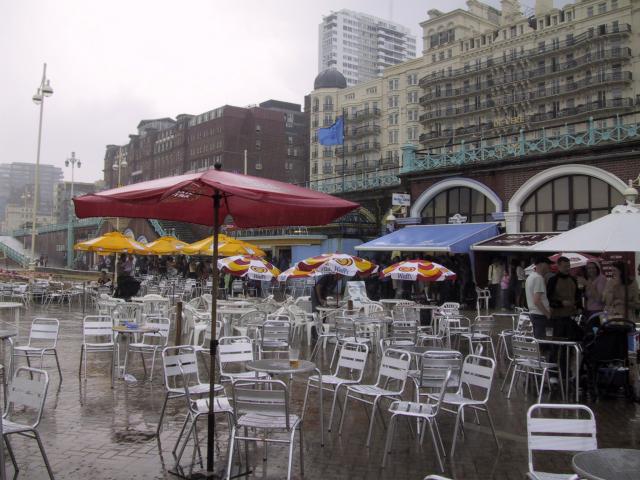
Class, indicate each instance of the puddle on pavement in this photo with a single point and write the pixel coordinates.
(131, 435)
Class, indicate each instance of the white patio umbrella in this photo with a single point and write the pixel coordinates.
(617, 232)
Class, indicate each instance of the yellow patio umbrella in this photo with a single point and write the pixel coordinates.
(227, 247)
(166, 246)
(112, 242)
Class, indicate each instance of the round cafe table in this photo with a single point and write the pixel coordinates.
(284, 367)
(15, 306)
(608, 464)
(126, 333)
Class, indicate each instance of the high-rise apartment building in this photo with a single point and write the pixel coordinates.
(361, 46)
(17, 182)
(268, 140)
(485, 77)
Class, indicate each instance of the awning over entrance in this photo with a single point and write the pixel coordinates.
(512, 242)
(451, 238)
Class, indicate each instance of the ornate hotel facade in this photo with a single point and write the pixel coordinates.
(500, 100)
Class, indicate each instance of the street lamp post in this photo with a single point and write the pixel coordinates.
(26, 196)
(118, 165)
(44, 90)
(73, 161)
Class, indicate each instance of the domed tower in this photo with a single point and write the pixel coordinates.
(324, 111)
(329, 78)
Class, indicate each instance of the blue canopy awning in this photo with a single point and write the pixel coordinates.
(451, 238)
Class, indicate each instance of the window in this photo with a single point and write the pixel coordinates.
(258, 144)
(393, 84)
(412, 97)
(412, 115)
(412, 133)
(463, 200)
(394, 101)
(568, 16)
(393, 136)
(589, 11)
(568, 202)
(412, 79)
(614, 4)
(258, 129)
(602, 8)
(393, 118)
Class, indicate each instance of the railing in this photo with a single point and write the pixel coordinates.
(528, 143)
(622, 76)
(509, 59)
(358, 182)
(56, 227)
(608, 54)
(14, 255)
(157, 227)
(270, 232)
(364, 114)
(486, 150)
(581, 109)
(363, 131)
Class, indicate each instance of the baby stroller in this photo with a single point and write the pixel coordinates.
(606, 357)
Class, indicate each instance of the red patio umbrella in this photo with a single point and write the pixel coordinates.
(206, 198)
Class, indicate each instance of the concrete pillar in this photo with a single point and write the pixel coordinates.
(512, 221)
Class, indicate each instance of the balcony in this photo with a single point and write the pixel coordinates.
(612, 77)
(366, 147)
(588, 108)
(364, 131)
(563, 68)
(576, 41)
(452, 111)
(365, 114)
(449, 136)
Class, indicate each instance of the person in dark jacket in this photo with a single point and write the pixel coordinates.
(564, 299)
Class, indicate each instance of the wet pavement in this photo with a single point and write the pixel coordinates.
(91, 431)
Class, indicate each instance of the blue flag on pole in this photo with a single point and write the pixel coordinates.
(333, 135)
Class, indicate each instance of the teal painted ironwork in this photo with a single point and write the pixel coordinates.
(353, 183)
(157, 227)
(83, 222)
(469, 154)
(14, 255)
(505, 148)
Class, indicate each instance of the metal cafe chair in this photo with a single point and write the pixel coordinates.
(570, 433)
(392, 377)
(426, 412)
(263, 406)
(150, 342)
(97, 337)
(199, 408)
(233, 353)
(474, 391)
(27, 391)
(528, 360)
(43, 341)
(349, 371)
(180, 366)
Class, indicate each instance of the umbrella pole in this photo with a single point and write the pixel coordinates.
(213, 341)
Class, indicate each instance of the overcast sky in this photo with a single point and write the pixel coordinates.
(114, 62)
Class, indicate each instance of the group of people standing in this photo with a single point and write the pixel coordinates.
(555, 299)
